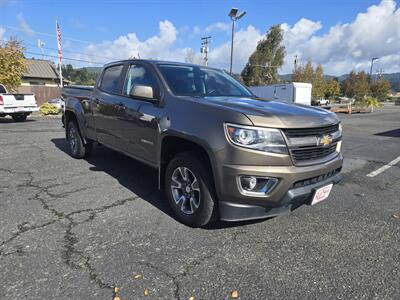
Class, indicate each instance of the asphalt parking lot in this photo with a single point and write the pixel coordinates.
(74, 229)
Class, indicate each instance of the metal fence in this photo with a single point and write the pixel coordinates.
(41, 92)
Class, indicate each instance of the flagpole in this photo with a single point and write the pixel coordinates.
(59, 58)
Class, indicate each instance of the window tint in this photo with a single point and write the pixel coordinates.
(201, 82)
(110, 80)
(138, 75)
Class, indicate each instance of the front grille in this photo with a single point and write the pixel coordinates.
(311, 131)
(316, 179)
(304, 143)
(311, 153)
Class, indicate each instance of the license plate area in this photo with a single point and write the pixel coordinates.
(321, 194)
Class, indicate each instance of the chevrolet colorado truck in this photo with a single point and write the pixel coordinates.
(220, 151)
(18, 106)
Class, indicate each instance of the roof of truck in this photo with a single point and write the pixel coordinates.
(155, 62)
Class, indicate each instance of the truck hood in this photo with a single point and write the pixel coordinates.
(266, 113)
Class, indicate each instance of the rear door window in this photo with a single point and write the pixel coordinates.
(111, 79)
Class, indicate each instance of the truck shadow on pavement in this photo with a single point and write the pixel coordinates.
(390, 133)
(6, 120)
(137, 177)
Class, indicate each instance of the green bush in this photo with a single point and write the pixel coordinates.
(48, 109)
(368, 101)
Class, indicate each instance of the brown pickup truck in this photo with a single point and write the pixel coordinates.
(220, 151)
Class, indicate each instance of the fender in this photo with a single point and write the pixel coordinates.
(184, 136)
(74, 106)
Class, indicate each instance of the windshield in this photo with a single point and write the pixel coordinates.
(197, 81)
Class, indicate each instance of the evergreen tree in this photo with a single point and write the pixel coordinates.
(263, 64)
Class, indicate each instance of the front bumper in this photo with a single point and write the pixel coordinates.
(296, 187)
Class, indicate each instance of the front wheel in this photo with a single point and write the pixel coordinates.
(189, 190)
(19, 117)
(77, 148)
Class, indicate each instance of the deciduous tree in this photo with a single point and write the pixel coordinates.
(356, 85)
(332, 89)
(12, 63)
(380, 89)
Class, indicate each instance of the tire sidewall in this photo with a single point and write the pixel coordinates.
(206, 210)
(77, 153)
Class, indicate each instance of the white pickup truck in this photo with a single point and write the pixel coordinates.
(18, 106)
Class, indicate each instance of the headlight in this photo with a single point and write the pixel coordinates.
(258, 138)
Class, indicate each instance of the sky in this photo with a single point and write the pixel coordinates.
(342, 35)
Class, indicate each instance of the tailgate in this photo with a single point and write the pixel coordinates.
(19, 100)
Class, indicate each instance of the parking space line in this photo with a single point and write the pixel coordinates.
(384, 168)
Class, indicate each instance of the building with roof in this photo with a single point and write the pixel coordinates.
(40, 72)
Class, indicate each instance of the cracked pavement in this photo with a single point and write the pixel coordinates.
(74, 229)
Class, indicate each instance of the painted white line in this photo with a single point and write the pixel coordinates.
(384, 168)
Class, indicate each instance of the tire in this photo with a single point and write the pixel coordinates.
(76, 146)
(198, 208)
(19, 117)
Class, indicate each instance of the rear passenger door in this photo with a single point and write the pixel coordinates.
(106, 109)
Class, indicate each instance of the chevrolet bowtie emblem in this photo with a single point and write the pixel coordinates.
(325, 140)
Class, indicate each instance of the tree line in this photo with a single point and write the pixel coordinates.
(78, 76)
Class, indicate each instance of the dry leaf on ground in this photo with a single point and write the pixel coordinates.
(234, 294)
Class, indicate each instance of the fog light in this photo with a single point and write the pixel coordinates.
(248, 182)
(256, 186)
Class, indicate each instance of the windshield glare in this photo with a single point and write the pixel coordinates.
(201, 82)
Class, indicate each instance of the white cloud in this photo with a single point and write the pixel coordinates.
(245, 42)
(219, 26)
(374, 33)
(155, 47)
(343, 47)
(24, 25)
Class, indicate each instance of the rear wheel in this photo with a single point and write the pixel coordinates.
(189, 190)
(19, 117)
(77, 148)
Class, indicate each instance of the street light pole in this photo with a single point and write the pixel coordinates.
(370, 71)
(233, 14)
(233, 35)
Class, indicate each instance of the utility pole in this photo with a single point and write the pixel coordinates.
(370, 71)
(295, 62)
(204, 48)
(233, 14)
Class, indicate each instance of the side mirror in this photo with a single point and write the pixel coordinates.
(142, 91)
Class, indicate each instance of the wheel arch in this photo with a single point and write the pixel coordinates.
(173, 144)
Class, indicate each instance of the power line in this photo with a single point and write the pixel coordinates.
(69, 51)
(49, 35)
(66, 58)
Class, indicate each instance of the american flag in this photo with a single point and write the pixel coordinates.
(58, 29)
